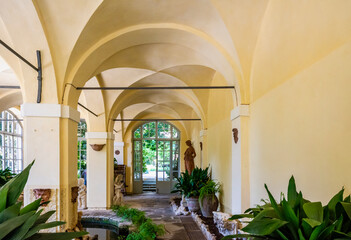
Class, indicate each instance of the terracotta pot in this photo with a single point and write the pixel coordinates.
(193, 204)
(208, 205)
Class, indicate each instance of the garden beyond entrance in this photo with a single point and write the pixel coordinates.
(156, 157)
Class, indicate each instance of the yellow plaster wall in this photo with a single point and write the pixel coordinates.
(219, 139)
(302, 127)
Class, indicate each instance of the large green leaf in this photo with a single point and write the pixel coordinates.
(238, 216)
(263, 227)
(17, 184)
(332, 203)
(314, 210)
(21, 231)
(274, 203)
(317, 231)
(11, 224)
(347, 208)
(267, 213)
(33, 206)
(43, 218)
(249, 236)
(41, 226)
(313, 223)
(292, 193)
(57, 236)
(10, 212)
(3, 197)
(289, 214)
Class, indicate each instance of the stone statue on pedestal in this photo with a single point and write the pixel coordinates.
(82, 194)
(118, 197)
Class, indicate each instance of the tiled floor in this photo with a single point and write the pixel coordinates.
(158, 208)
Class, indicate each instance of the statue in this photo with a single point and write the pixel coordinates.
(82, 194)
(189, 156)
(118, 197)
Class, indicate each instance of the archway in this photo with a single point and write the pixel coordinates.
(155, 157)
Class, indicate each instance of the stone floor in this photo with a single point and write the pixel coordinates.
(157, 207)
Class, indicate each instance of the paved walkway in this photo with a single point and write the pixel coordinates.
(157, 207)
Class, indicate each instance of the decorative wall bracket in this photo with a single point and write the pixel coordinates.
(97, 147)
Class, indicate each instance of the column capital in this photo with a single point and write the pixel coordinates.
(99, 135)
(240, 111)
(49, 110)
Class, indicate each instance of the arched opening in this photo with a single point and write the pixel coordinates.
(155, 157)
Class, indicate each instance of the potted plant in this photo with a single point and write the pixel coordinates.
(208, 199)
(295, 217)
(189, 185)
(5, 176)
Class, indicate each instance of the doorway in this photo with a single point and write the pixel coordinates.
(155, 157)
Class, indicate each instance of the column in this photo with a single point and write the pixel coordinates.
(50, 137)
(100, 168)
(240, 159)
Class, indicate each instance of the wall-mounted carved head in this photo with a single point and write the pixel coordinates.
(235, 134)
(43, 193)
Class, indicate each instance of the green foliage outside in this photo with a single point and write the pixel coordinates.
(145, 228)
(18, 223)
(149, 153)
(5, 176)
(189, 185)
(296, 218)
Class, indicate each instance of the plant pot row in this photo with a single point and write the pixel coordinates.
(208, 204)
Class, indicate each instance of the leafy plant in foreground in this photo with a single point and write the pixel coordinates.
(296, 218)
(18, 223)
(146, 229)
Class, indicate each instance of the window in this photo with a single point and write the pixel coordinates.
(82, 147)
(11, 142)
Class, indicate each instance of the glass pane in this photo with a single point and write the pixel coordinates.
(163, 130)
(18, 166)
(17, 153)
(149, 159)
(137, 160)
(1, 139)
(152, 129)
(9, 164)
(137, 133)
(175, 133)
(164, 160)
(10, 127)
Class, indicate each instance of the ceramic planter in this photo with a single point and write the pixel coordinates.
(208, 205)
(193, 203)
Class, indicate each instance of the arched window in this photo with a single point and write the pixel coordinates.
(11, 142)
